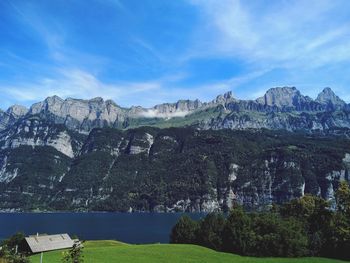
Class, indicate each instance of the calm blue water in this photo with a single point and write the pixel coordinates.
(131, 228)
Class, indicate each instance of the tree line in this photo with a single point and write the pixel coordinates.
(307, 226)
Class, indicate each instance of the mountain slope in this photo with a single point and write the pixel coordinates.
(176, 169)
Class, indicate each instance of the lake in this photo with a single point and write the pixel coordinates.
(132, 228)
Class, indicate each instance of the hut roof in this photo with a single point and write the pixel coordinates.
(42, 243)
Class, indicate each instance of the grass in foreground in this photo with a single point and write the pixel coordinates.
(107, 251)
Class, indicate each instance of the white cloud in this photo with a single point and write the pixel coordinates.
(80, 84)
(152, 113)
(76, 84)
(286, 33)
(297, 36)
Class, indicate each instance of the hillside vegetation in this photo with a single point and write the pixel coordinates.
(172, 170)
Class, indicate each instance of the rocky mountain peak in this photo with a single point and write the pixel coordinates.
(111, 103)
(228, 95)
(224, 98)
(17, 111)
(54, 99)
(327, 96)
(281, 97)
(97, 99)
(11, 115)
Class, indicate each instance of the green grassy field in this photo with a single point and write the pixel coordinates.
(113, 251)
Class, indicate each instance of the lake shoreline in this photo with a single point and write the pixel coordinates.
(135, 228)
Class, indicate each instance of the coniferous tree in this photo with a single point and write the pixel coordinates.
(210, 231)
(237, 234)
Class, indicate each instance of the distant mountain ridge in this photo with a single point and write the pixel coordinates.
(280, 108)
(72, 154)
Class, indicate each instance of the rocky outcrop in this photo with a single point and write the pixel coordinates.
(223, 99)
(283, 97)
(34, 133)
(141, 145)
(84, 115)
(6, 175)
(3, 120)
(327, 97)
(80, 115)
(13, 114)
(17, 111)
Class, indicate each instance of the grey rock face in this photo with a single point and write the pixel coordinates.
(279, 97)
(9, 117)
(181, 105)
(6, 175)
(3, 120)
(223, 99)
(141, 145)
(34, 132)
(309, 122)
(84, 115)
(17, 111)
(283, 97)
(79, 114)
(328, 97)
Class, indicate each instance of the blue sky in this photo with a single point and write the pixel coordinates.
(153, 51)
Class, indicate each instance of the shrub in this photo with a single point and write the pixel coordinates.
(210, 231)
(184, 232)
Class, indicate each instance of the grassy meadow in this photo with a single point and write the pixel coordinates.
(112, 251)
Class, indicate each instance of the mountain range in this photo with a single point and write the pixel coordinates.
(280, 108)
(72, 154)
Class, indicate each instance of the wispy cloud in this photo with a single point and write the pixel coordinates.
(54, 35)
(185, 53)
(77, 84)
(284, 33)
(50, 32)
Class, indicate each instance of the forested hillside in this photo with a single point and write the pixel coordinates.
(173, 169)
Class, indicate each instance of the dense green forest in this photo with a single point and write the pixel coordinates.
(174, 170)
(302, 227)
